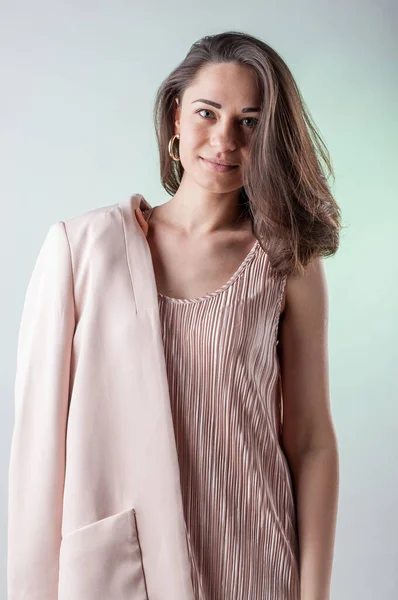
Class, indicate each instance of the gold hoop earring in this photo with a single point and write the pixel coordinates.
(171, 142)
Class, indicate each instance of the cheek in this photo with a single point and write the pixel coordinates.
(197, 134)
(193, 143)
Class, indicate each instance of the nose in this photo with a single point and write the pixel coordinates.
(224, 137)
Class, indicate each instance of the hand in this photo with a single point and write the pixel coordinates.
(143, 223)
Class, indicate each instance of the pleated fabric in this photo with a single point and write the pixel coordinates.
(225, 393)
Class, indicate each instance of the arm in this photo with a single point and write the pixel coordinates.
(37, 456)
(308, 437)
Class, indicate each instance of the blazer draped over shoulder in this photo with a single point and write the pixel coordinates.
(95, 506)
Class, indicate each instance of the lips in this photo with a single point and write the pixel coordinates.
(216, 167)
(220, 163)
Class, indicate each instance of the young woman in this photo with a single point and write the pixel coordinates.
(242, 306)
(233, 101)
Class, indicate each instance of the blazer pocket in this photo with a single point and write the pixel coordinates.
(102, 561)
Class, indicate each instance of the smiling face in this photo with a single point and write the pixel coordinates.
(216, 120)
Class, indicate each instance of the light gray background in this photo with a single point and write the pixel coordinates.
(78, 81)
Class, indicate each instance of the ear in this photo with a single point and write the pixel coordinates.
(176, 116)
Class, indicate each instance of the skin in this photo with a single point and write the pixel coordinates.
(309, 439)
(198, 226)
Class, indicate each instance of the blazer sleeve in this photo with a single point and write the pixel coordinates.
(41, 396)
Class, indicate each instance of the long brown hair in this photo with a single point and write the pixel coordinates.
(285, 191)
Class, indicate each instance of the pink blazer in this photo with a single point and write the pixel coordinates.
(95, 506)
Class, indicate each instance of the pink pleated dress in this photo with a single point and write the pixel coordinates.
(225, 393)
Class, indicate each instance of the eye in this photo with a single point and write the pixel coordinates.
(254, 121)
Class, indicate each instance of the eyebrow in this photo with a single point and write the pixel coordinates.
(217, 105)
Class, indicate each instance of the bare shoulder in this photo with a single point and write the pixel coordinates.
(304, 325)
(307, 292)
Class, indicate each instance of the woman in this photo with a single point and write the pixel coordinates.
(242, 309)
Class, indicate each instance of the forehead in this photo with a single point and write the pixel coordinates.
(226, 83)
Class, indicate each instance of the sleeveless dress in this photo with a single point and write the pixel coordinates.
(225, 393)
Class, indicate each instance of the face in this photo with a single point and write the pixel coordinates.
(218, 133)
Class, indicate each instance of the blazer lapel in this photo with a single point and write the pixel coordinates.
(163, 532)
(139, 254)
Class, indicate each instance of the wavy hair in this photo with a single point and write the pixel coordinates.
(285, 190)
